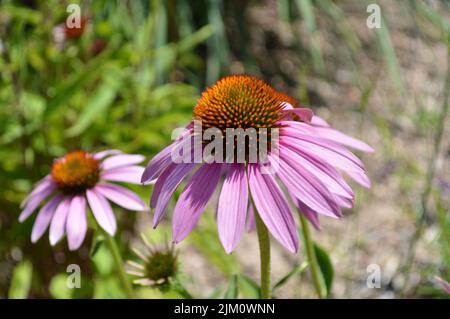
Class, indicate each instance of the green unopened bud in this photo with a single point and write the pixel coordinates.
(157, 266)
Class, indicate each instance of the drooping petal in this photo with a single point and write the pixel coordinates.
(166, 187)
(160, 183)
(341, 138)
(318, 121)
(34, 202)
(194, 199)
(272, 207)
(122, 160)
(232, 207)
(332, 156)
(302, 133)
(251, 226)
(305, 186)
(102, 211)
(58, 224)
(334, 135)
(311, 215)
(121, 196)
(157, 164)
(328, 175)
(42, 185)
(127, 174)
(76, 224)
(44, 217)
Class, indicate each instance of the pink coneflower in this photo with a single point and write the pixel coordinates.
(310, 158)
(76, 179)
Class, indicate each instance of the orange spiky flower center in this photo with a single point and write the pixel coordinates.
(239, 101)
(76, 172)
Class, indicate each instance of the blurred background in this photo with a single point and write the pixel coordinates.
(133, 73)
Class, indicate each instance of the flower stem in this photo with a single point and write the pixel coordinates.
(264, 251)
(112, 245)
(315, 271)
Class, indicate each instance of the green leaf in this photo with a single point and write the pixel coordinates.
(58, 287)
(206, 240)
(296, 270)
(306, 9)
(96, 244)
(191, 41)
(21, 280)
(102, 98)
(249, 288)
(232, 289)
(76, 82)
(325, 265)
(389, 56)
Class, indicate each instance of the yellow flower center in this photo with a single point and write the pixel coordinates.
(239, 101)
(76, 172)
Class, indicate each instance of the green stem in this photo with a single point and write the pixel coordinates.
(264, 251)
(315, 271)
(111, 243)
(180, 289)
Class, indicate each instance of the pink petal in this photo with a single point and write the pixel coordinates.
(305, 134)
(329, 155)
(232, 207)
(304, 114)
(102, 211)
(310, 214)
(329, 176)
(127, 174)
(168, 185)
(157, 164)
(272, 207)
(251, 226)
(121, 196)
(76, 224)
(444, 284)
(194, 199)
(318, 121)
(105, 153)
(44, 217)
(34, 202)
(341, 138)
(305, 186)
(122, 160)
(359, 177)
(40, 186)
(160, 183)
(58, 224)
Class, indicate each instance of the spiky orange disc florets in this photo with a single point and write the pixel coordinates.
(239, 101)
(76, 172)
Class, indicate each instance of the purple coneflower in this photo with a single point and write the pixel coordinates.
(311, 156)
(76, 179)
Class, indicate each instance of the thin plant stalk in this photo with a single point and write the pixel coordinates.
(264, 251)
(118, 261)
(312, 260)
